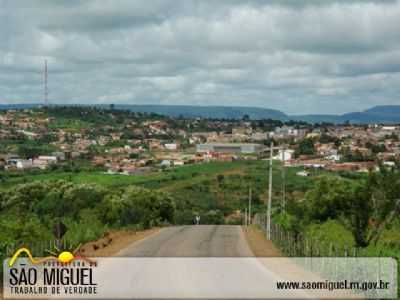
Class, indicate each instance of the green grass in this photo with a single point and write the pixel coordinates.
(73, 125)
(194, 187)
(177, 176)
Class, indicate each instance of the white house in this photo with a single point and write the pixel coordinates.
(20, 164)
(284, 155)
(388, 128)
(171, 146)
(24, 164)
(179, 162)
(389, 163)
(48, 158)
(333, 157)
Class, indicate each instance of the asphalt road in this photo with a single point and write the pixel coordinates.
(192, 241)
(193, 262)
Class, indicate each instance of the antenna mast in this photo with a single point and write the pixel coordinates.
(46, 92)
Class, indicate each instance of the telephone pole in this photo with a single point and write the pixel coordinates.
(249, 218)
(270, 193)
(283, 180)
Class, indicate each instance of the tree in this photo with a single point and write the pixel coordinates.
(333, 198)
(27, 151)
(385, 191)
(141, 206)
(364, 207)
(246, 117)
(328, 198)
(306, 147)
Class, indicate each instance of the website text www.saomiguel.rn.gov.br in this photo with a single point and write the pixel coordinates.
(333, 285)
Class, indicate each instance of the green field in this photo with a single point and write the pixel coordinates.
(155, 179)
(202, 187)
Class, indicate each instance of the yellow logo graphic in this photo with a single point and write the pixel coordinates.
(64, 257)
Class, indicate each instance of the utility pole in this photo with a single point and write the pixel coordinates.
(270, 193)
(249, 218)
(283, 204)
(245, 216)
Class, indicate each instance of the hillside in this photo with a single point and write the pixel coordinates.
(384, 109)
(214, 112)
(378, 114)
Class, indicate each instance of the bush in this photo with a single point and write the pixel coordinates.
(30, 210)
(330, 233)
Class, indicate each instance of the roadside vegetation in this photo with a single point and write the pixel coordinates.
(92, 202)
(347, 209)
(360, 214)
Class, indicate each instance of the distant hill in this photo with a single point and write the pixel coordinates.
(216, 112)
(18, 106)
(378, 114)
(188, 111)
(384, 109)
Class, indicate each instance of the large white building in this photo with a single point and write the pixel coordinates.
(229, 148)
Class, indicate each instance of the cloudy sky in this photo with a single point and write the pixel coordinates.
(317, 56)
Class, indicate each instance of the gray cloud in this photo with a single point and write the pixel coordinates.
(297, 56)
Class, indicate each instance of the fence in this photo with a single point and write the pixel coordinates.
(297, 245)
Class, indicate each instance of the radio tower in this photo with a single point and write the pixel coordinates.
(46, 102)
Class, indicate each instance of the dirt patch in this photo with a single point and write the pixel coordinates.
(258, 243)
(113, 242)
(233, 172)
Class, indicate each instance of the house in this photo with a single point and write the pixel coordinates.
(284, 155)
(41, 164)
(48, 158)
(390, 164)
(314, 164)
(287, 131)
(352, 167)
(59, 155)
(179, 162)
(389, 128)
(333, 157)
(172, 146)
(259, 136)
(243, 130)
(20, 164)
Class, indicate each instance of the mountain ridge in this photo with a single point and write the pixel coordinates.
(377, 114)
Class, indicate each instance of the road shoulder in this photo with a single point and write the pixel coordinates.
(115, 241)
(258, 243)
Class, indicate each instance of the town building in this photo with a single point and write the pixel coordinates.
(244, 148)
